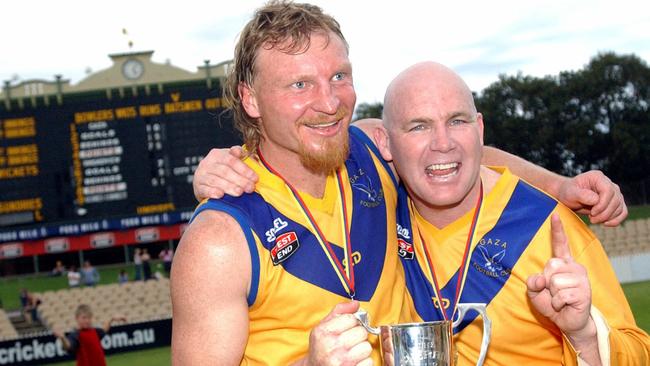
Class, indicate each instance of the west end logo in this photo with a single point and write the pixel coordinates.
(371, 196)
(285, 246)
(492, 252)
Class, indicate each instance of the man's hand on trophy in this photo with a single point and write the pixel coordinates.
(339, 339)
(562, 292)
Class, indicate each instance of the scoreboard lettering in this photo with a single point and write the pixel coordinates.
(179, 107)
(150, 110)
(101, 158)
(14, 128)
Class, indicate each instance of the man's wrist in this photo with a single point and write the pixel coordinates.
(555, 183)
(585, 337)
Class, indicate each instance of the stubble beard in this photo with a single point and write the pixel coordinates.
(329, 157)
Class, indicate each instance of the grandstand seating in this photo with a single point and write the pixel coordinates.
(633, 237)
(138, 301)
(7, 330)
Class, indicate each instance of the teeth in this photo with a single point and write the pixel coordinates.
(434, 167)
(324, 125)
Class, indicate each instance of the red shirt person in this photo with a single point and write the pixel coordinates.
(85, 341)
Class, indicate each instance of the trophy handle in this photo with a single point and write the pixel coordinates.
(362, 317)
(487, 326)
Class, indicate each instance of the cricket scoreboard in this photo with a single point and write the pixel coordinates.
(104, 168)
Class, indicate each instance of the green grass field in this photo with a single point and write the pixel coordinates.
(634, 212)
(638, 212)
(150, 357)
(10, 287)
(638, 295)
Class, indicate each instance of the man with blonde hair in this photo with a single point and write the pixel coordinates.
(268, 278)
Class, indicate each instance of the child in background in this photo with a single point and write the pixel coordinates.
(123, 277)
(85, 342)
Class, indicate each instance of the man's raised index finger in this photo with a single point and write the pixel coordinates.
(559, 243)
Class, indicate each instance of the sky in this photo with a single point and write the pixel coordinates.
(478, 39)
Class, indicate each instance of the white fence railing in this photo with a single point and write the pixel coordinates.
(632, 267)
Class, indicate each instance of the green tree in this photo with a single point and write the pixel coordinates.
(593, 118)
(519, 113)
(607, 121)
(369, 110)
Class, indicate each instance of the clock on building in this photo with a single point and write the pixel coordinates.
(132, 69)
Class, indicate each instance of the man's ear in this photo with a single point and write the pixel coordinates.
(383, 143)
(248, 100)
(479, 121)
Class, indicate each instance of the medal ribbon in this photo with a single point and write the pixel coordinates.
(462, 273)
(344, 273)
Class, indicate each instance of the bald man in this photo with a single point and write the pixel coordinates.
(481, 234)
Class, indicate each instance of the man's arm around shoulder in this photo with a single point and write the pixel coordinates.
(209, 285)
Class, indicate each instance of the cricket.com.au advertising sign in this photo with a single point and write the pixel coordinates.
(125, 338)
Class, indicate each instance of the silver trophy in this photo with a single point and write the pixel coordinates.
(427, 343)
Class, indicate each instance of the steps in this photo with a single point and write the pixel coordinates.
(23, 326)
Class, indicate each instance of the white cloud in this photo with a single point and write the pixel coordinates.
(478, 38)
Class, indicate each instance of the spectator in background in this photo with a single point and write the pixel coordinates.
(146, 266)
(89, 274)
(166, 255)
(74, 277)
(85, 341)
(58, 270)
(29, 304)
(23, 298)
(137, 261)
(123, 277)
